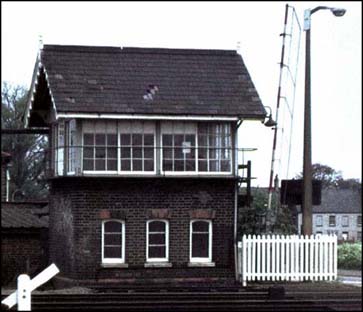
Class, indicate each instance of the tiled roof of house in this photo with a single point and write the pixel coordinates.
(16, 217)
(336, 200)
(339, 201)
(114, 80)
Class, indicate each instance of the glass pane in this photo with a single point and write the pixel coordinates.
(167, 140)
(148, 165)
(179, 165)
(157, 252)
(225, 165)
(190, 165)
(112, 226)
(100, 152)
(148, 152)
(190, 138)
(178, 153)
(203, 165)
(125, 139)
(200, 244)
(137, 140)
(212, 153)
(156, 226)
(202, 153)
(200, 226)
(112, 164)
(100, 164)
(148, 139)
(125, 165)
(137, 152)
(202, 141)
(125, 152)
(167, 152)
(100, 139)
(136, 164)
(111, 139)
(156, 239)
(178, 140)
(167, 165)
(112, 252)
(113, 239)
(88, 164)
(88, 152)
(203, 128)
(111, 152)
(88, 139)
(213, 165)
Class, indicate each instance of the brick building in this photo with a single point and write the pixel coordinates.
(24, 239)
(143, 168)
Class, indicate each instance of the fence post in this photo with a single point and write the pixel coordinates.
(23, 294)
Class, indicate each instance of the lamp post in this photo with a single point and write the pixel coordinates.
(307, 165)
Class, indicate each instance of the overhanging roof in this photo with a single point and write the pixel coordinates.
(112, 80)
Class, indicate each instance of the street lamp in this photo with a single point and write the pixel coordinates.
(307, 166)
(270, 122)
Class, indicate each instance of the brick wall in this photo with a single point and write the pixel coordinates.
(22, 251)
(77, 206)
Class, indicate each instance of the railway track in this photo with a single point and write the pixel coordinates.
(201, 301)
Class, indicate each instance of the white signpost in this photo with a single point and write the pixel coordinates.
(22, 296)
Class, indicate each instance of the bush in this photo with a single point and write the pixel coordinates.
(350, 256)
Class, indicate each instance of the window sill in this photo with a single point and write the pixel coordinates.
(201, 264)
(158, 265)
(114, 265)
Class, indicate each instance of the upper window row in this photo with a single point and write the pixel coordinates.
(134, 146)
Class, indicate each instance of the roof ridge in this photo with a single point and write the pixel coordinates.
(80, 49)
(178, 51)
(136, 50)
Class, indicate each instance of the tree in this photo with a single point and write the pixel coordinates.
(331, 178)
(27, 151)
(252, 220)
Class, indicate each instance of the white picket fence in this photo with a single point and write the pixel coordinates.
(292, 258)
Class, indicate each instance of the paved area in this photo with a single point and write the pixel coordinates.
(350, 277)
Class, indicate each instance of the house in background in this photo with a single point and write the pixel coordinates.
(340, 213)
(143, 166)
(24, 239)
(24, 232)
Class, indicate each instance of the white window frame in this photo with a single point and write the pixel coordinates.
(345, 221)
(319, 221)
(113, 260)
(195, 131)
(71, 148)
(210, 242)
(120, 131)
(166, 222)
(335, 221)
(95, 132)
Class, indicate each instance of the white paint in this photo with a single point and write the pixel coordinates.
(145, 117)
(24, 293)
(40, 279)
(320, 251)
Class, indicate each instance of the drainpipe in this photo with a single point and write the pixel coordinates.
(235, 238)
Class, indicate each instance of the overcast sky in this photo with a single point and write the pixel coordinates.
(336, 55)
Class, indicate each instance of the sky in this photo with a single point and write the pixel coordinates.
(252, 28)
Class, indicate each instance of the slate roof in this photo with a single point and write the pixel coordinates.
(15, 217)
(335, 200)
(89, 79)
(339, 201)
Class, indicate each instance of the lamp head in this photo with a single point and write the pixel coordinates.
(270, 122)
(338, 12)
